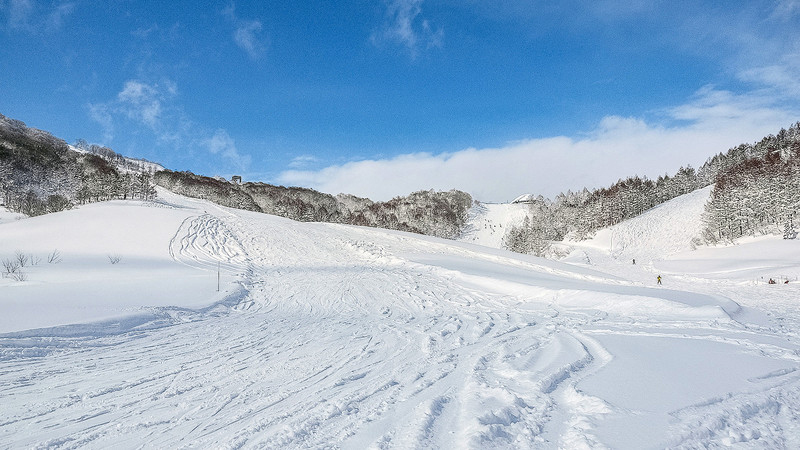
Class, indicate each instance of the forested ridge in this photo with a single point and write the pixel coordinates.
(40, 173)
(756, 190)
(442, 214)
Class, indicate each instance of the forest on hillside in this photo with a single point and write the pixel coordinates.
(759, 192)
(441, 214)
(756, 191)
(40, 173)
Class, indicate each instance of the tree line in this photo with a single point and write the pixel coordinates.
(442, 214)
(40, 173)
(756, 190)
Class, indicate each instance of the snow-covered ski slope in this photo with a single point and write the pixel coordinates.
(488, 222)
(344, 337)
(659, 233)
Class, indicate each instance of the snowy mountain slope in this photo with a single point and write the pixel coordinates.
(123, 163)
(488, 222)
(340, 336)
(660, 232)
(8, 216)
(665, 229)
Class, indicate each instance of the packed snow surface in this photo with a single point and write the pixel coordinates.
(337, 336)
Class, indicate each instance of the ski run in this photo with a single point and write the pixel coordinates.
(334, 336)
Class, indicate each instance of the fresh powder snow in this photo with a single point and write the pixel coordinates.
(224, 328)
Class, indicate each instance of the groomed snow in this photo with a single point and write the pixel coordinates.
(337, 336)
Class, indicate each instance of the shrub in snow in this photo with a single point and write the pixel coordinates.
(10, 266)
(54, 257)
(22, 259)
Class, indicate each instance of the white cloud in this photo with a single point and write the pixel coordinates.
(246, 37)
(32, 17)
(710, 122)
(154, 106)
(56, 16)
(247, 33)
(784, 77)
(302, 161)
(404, 25)
(142, 102)
(100, 113)
(223, 144)
(19, 13)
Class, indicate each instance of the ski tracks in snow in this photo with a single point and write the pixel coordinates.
(338, 341)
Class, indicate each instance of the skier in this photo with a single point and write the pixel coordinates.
(658, 278)
(634, 262)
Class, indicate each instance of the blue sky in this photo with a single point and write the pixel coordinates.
(382, 97)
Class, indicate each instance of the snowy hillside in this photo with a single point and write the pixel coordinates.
(663, 230)
(123, 163)
(488, 222)
(667, 229)
(337, 336)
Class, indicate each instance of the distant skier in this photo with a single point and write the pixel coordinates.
(634, 261)
(771, 281)
(658, 279)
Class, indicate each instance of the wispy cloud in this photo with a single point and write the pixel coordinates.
(19, 13)
(709, 122)
(247, 33)
(758, 42)
(303, 161)
(58, 14)
(221, 143)
(142, 102)
(154, 107)
(101, 113)
(32, 17)
(405, 25)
